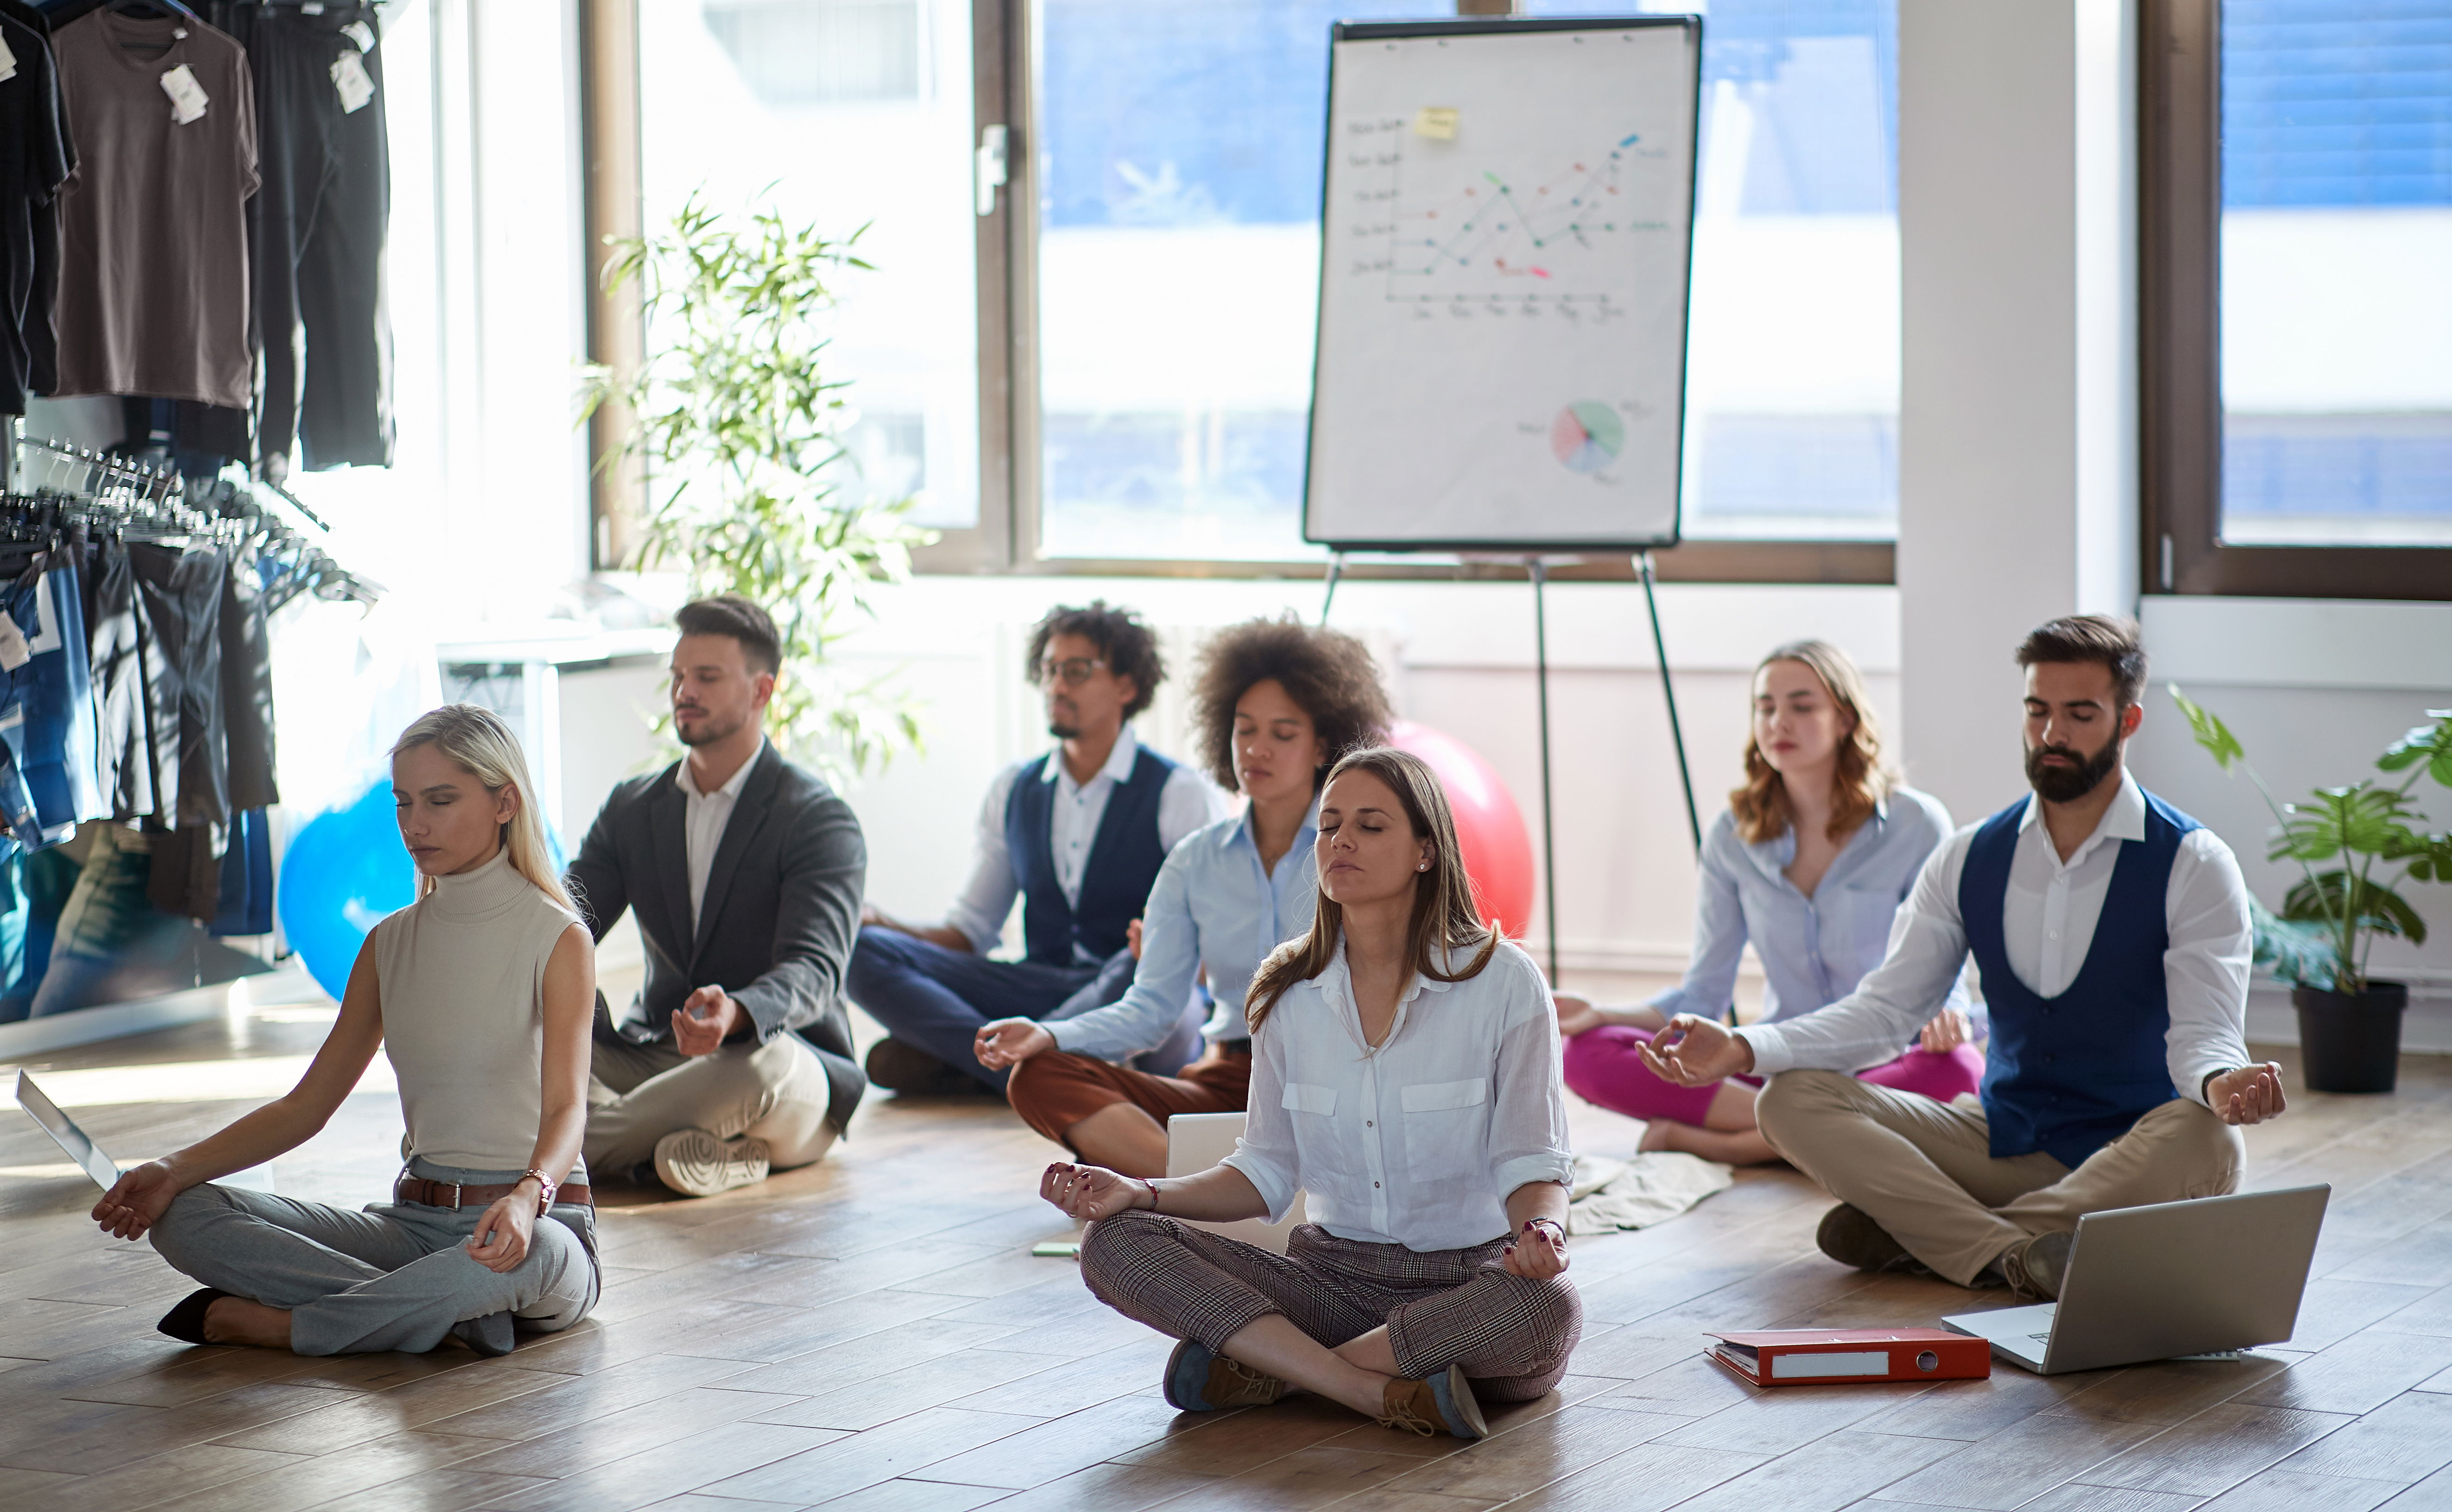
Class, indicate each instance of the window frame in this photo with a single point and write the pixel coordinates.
(2180, 350)
(1004, 43)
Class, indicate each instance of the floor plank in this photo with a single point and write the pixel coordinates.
(823, 1340)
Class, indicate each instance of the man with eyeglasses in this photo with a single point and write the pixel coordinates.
(1078, 834)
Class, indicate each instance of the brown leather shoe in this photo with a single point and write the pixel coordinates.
(1442, 1403)
(1198, 1381)
(2034, 1268)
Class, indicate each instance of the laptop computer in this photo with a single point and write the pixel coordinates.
(2193, 1279)
(65, 1133)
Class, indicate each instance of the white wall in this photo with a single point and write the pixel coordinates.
(2017, 422)
(1458, 655)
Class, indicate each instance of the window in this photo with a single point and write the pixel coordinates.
(2297, 317)
(1177, 261)
(1793, 378)
(2337, 271)
(1177, 249)
(843, 114)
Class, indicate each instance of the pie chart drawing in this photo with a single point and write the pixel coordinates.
(1586, 436)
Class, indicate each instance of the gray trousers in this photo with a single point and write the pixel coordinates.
(638, 1093)
(392, 1277)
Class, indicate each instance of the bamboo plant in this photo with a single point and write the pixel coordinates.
(741, 418)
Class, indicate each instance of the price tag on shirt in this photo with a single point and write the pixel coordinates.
(8, 61)
(361, 33)
(14, 653)
(188, 100)
(350, 77)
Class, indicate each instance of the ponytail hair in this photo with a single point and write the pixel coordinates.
(476, 740)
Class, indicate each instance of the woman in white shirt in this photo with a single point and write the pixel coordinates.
(481, 993)
(1405, 1076)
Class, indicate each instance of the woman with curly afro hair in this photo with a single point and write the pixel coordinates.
(1277, 702)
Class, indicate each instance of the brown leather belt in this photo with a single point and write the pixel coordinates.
(451, 1194)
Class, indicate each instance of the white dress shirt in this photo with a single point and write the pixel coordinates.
(702, 825)
(2048, 919)
(1188, 802)
(1419, 1140)
(1214, 908)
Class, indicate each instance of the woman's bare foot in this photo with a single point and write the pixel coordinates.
(235, 1320)
(1735, 1146)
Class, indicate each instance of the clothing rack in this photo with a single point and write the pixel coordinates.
(64, 485)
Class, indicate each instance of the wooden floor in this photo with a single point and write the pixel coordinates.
(873, 1334)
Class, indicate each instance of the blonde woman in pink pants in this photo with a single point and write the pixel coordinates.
(1808, 864)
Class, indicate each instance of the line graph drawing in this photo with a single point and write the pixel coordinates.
(1452, 229)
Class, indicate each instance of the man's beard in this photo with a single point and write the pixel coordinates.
(1063, 730)
(709, 731)
(2069, 783)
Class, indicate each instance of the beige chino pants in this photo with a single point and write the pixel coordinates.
(638, 1093)
(1925, 1170)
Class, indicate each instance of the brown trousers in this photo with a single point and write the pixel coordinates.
(1055, 1090)
(1925, 1170)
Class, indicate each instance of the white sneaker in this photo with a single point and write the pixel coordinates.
(696, 1164)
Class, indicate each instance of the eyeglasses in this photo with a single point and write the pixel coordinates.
(1072, 671)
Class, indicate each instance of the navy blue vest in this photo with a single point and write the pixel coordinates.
(1116, 879)
(2070, 1074)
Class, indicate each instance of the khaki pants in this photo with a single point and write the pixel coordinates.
(1924, 1171)
(638, 1093)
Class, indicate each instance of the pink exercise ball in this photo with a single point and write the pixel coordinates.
(1497, 847)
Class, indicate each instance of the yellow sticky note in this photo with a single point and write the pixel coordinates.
(1437, 122)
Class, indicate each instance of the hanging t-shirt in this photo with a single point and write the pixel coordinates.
(153, 276)
(35, 159)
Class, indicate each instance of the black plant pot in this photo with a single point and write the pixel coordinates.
(2350, 1043)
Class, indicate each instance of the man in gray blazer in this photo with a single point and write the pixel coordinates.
(745, 873)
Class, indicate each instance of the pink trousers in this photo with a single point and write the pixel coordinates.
(1604, 1066)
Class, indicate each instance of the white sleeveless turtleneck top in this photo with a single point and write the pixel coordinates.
(461, 973)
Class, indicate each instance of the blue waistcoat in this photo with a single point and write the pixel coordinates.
(2070, 1074)
(1116, 879)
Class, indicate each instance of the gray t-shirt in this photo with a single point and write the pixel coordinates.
(153, 286)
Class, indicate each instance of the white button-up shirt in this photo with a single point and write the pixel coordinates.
(1215, 909)
(1419, 1140)
(702, 825)
(2048, 919)
(1186, 803)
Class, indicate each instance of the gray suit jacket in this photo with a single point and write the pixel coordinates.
(777, 926)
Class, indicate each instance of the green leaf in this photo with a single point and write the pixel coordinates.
(2300, 953)
(2371, 907)
(2427, 743)
(2210, 732)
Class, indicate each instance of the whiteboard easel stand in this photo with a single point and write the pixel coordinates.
(1540, 571)
(1549, 826)
(1669, 692)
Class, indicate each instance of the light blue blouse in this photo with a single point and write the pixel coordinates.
(1813, 949)
(1214, 906)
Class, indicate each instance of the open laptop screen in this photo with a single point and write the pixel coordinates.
(65, 1133)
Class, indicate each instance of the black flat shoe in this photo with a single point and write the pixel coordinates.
(489, 1336)
(185, 1322)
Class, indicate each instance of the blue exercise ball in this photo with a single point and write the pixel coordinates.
(344, 872)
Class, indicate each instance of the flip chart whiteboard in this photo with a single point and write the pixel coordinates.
(1506, 241)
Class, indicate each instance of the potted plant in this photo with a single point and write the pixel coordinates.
(2349, 1023)
(741, 424)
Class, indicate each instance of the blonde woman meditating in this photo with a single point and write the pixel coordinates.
(1405, 1075)
(1809, 863)
(481, 993)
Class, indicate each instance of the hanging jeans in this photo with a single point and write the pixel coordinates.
(316, 230)
(105, 913)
